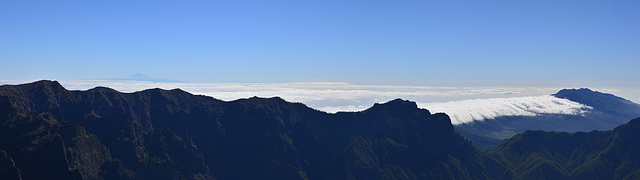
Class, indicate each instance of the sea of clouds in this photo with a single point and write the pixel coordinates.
(463, 104)
(480, 109)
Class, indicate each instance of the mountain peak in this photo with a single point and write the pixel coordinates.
(605, 102)
(173, 92)
(139, 76)
(51, 83)
(584, 91)
(580, 90)
(590, 97)
(632, 124)
(43, 86)
(398, 103)
(102, 89)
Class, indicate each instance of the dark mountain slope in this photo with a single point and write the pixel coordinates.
(608, 112)
(583, 155)
(37, 146)
(171, 134)
(602, 102)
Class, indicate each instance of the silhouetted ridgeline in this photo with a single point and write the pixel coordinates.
(49, 132)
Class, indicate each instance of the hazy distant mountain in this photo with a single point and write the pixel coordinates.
(49, 132)
(613, 154)
(605, 113)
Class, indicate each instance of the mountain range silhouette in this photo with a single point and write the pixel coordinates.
(53, 133)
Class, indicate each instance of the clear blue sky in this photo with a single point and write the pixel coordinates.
(335, 40)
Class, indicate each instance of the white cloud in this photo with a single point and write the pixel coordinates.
(480, 109)
(463, 104)
(334, 109)
(327, 96)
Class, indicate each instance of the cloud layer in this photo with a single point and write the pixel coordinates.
(325, 96)
(480, 109)
(463, 104)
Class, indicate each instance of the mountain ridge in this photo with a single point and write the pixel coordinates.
(608, 111)
(602, 101)
(609, 154)
(173, 134)
(101, 133)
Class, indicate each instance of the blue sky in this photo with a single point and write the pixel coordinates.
(339, 41)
